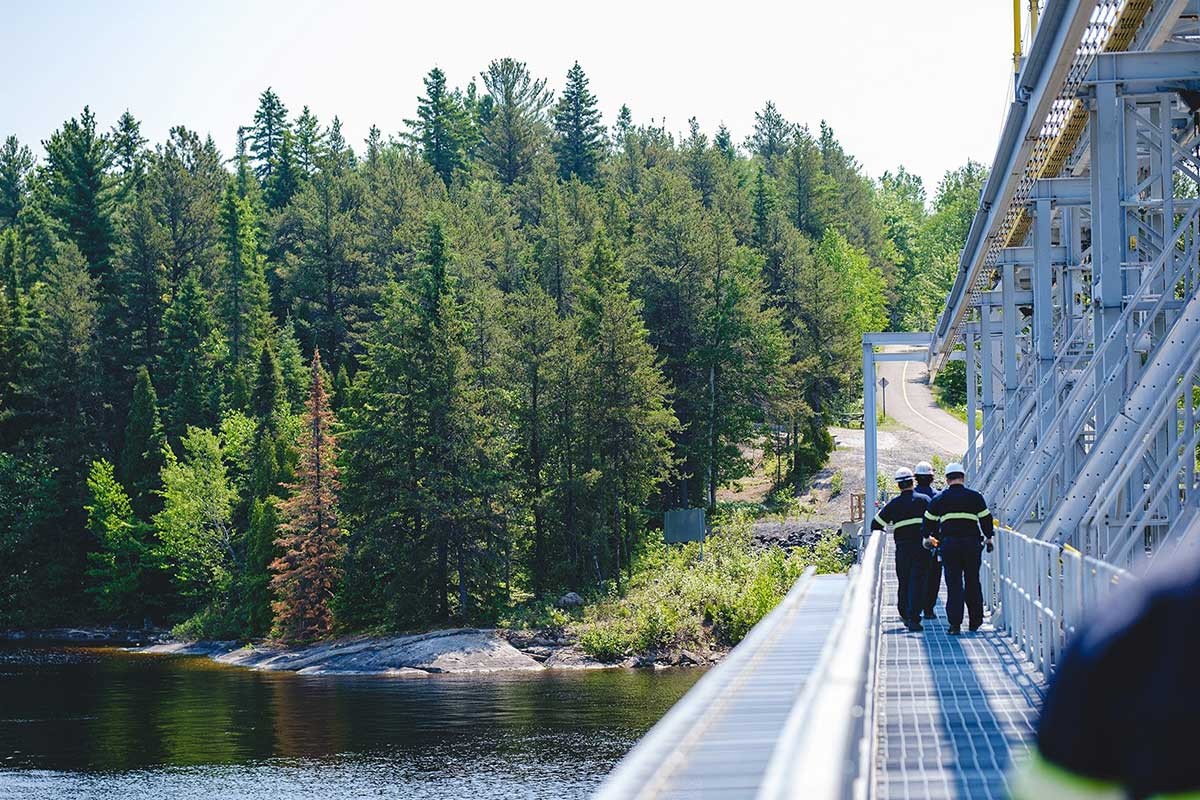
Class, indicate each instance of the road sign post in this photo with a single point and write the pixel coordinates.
(883, 384)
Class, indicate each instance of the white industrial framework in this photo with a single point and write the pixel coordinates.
(1077, 306)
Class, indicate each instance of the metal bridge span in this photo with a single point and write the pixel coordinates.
(1077, 312)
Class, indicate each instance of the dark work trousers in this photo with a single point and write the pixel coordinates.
(933, 581)
(961, 556)
(911, 564)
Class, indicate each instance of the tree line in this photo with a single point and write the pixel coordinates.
(418, 378)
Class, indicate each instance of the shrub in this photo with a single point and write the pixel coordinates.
(677, 599)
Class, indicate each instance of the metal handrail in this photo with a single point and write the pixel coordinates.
(1040, 593)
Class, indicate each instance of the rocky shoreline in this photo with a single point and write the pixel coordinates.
(453, 651)
(450, 651)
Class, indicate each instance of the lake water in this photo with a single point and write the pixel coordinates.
(103, 723)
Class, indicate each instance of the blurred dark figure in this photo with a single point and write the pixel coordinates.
(1123, 712)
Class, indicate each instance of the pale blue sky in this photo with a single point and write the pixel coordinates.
(902, 81)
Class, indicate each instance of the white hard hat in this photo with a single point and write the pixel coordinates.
(923, 468)
(904, 474)
(955, 468)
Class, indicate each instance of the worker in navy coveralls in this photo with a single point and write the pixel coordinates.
(958, 522)
(905, 514)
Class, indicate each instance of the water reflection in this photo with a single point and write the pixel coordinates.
(88, 723)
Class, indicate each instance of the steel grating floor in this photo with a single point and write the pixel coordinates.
(953, 712)
(729, 755)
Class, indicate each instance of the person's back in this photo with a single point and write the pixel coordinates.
(905, 513)
(957, 518)
(1123, 710)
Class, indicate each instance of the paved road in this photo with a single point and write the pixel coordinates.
(910, 403)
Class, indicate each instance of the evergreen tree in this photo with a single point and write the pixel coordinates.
(285, 177)
(144, 283)
(517, 129)
(266, 135)
(129, 154)
(16, 167)
(580, 136)
(80, 194)
(770, 138)
(309, 568)
(185, 184)
(118, 567)
(439, 127)
(629, 413)
(243, 301)
(723, 142)
(329, 288)
(187, 365)
(142, 455)
(309, 143)
(701, 167)
(292, 368)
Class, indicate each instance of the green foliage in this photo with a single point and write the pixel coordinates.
(835, 483)
(580, 136)
(117, 571)
(142, 455)
(537, 339)
(196, 523)
(677, 599)
(951, 383)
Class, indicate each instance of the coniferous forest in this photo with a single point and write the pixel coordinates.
(316, 385)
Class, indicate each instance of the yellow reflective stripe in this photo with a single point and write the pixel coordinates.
(985, 513)
(1180, 796)
(912, 521)
(932, 517)
(1037, 778)
(880, 520)
(960, 515)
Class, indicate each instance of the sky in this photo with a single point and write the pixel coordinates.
(920, 84)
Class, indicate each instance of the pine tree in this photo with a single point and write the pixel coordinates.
(723, 142)
(517, 129)
(142, 276)
(244, 298)
(285, 177)
(129, 154)
(579, 145)
(630, 419)
(439, 127)
(81, 196)
(266, 134)
(187, 365)
(307, 572)
(185, 184)
(771, 136)
(292, 367)
(16, 167)
(701, 166)
(267, 404)
(142, 456)
(309, 143)
(327, 282)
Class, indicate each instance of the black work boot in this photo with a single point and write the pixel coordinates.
(975, 626)
(930, 614)
(914, 624)
(954, 630)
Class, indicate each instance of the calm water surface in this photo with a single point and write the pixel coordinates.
(102, 723)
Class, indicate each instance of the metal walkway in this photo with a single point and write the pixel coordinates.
(717, 742)
(952, 712)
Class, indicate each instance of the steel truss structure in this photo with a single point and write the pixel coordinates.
(1077, 306)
